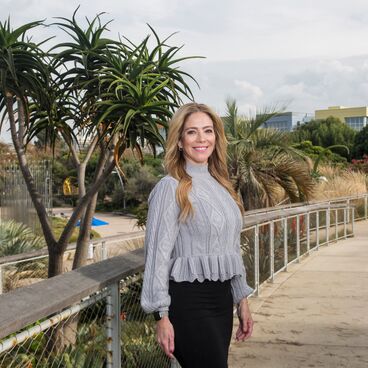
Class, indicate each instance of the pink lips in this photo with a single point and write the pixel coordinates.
(200, 148)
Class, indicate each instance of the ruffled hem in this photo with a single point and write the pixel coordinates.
(206, 267)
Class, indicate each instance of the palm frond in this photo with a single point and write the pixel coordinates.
(17, 238)
(262, 164)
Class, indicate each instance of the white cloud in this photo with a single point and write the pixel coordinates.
(290, 90)
(250, 90)
(262, 53)
(303, 85)
(248, 109)
(235, 30)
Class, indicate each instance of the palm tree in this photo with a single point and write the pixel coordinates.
(118, 93)
(262, 165)
(115, 94)
(23, 75)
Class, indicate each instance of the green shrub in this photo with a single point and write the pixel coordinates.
(58, 225)
(17, 238)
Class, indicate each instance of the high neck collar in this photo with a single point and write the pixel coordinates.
(196, 169)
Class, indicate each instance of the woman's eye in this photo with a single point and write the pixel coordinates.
(208, 131)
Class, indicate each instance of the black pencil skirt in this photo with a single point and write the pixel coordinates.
(202, 317)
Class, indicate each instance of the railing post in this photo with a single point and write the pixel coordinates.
(1, 280)
(91, 249)
(366, 206)
(337, 224)
(308, 233)
(317, 230)
(345, 224)
(327, 225)
(298, 238)
(285, 244)
(348, 214)
(113, 327)
(256, 258)
(352, 220)
(272, 250)
(103, 251)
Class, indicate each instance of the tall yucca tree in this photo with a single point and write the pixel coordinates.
(112, 94)
(119, 93)
(76, 66)
(27, 91)
(262, 163)
(141, 88)
(23, 75)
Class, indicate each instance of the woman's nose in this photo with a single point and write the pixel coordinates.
(200, 137)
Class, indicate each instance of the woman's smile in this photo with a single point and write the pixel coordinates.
(198, 138)
(200, 149)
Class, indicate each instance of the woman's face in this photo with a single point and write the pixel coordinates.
(198, 138)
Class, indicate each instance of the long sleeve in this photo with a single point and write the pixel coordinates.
(239, 287)
(162, 228)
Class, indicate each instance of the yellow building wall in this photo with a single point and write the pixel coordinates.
(341, 112)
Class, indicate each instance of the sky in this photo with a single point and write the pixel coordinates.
(298, 54)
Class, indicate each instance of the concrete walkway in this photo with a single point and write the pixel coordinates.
(118, 225)
(314, 315)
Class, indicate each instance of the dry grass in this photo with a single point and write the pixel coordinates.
(340, 183)
(125, 246)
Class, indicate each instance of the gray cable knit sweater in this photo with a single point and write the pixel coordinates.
(206, 246)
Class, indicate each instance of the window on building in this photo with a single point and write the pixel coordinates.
(357, 123)
(280, 125)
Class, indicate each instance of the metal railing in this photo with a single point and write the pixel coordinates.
(91, 317)
(28, 268)
(271, 243)
(23, 269)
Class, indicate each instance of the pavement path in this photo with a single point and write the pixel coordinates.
(313, 315)
(118, 224)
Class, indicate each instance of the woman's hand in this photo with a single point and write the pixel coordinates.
(165, 336)
(245, 328)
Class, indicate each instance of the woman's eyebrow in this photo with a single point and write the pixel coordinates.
(208, 126)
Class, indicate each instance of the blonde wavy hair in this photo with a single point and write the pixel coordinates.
(217, 163)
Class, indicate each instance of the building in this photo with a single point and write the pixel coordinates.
(287, 121)
(355, 117)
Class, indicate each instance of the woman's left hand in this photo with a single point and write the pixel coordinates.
(246, 323)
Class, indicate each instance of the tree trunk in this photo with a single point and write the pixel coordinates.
(103, 169)
(81, 174)
(23, 164)
(56, 262)
(81, 252)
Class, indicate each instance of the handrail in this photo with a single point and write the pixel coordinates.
(298, 204)
(58, 292)
(72, 246)
(49, 296)
(256, 218)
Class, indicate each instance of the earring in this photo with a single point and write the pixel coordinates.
(180, 149)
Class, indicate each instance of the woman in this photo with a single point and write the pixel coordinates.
(194, 272)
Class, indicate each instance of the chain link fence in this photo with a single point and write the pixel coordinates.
(22, 272)
(83, 335)
(75, 337)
